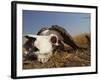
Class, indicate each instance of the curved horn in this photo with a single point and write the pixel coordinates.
(67, 37)
(41, 30)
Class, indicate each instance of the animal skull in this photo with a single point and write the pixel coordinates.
(42, 46)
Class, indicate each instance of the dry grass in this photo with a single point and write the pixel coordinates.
(64, 58)
(81, 39)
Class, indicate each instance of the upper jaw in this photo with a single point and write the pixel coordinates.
(43, 58)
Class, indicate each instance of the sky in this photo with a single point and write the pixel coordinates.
(74, 23)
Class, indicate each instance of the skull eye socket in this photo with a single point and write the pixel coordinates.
(53, 39)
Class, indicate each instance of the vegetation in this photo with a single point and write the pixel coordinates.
(73, 58)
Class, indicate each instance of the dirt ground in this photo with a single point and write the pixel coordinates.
(60, 59)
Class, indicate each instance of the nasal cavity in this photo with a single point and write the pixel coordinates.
(35, 49)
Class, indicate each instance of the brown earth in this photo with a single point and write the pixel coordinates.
(64, 58)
